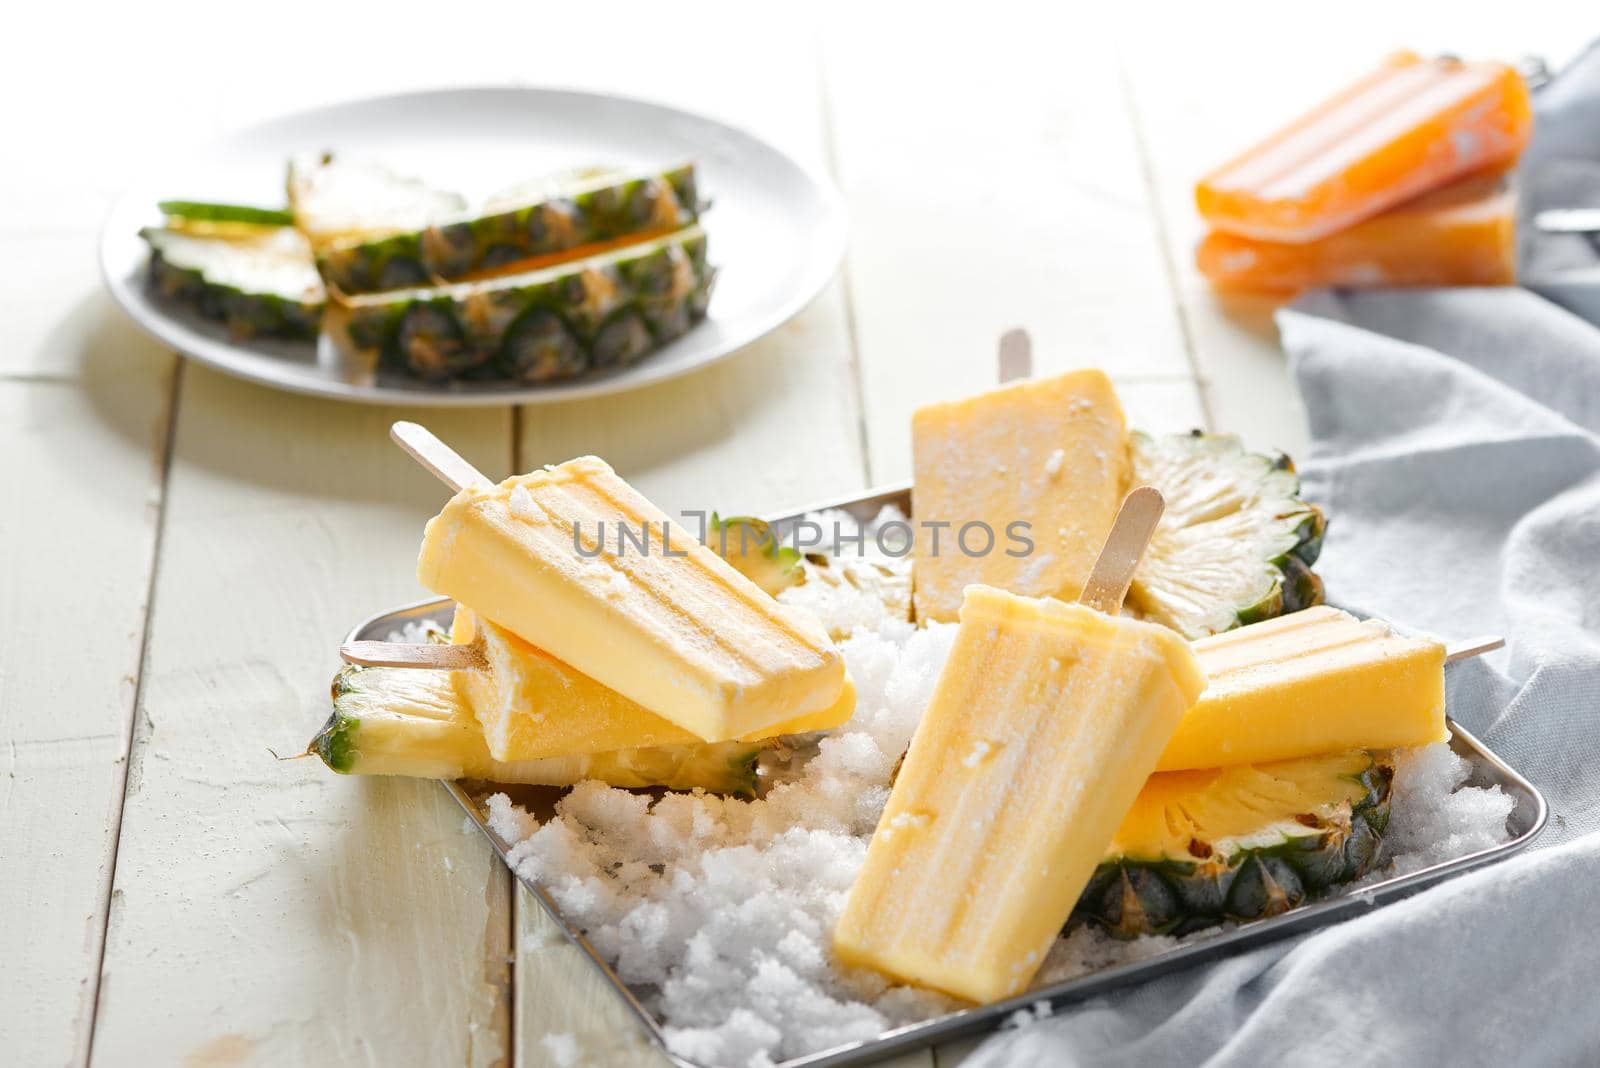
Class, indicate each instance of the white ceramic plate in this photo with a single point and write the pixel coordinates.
(776, 230)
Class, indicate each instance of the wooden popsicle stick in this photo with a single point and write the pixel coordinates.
(445, 463)
(1471, 647)
(1016, 355)
(406, 655)
(1124, 548)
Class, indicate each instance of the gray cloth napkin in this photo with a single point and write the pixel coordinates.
(1456, 446)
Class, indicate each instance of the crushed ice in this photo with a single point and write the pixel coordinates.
(718, 911)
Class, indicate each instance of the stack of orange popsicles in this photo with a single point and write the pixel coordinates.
(1394, 181)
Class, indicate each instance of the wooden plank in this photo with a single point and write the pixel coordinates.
(81, 468)
(274, 911)
(54, 313)
(993, 182)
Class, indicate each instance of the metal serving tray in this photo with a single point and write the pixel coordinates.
(1527, 819)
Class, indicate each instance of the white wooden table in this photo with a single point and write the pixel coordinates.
(182, 551)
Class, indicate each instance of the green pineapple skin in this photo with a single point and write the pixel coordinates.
(1130, 897)
(547, 331)
(208, 211)
(337, 742)
(452, 251)
(246, 315)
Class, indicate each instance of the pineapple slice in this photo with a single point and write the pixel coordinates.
(261, 284)
(1237, 542)
(405, 721)
(337, 200)
(535, 225)
(755, 552)
(844, 592)
(558, 322)
(1239, 843)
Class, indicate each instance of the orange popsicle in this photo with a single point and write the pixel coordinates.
(1413, 125)
(1461, 235)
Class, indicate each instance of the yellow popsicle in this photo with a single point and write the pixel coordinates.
(1051, 453)
(1310, 682)
(1043, 727)
(532, 706)
(554, 557)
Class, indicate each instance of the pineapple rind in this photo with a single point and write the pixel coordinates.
(411, 722)
(561, 224)
(1237, 542)
(336, 744)
(246, 311)
(559, 322)
(211, 212)
(1251, 875)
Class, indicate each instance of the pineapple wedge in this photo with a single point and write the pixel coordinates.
(1236, 543)
(539, 229)
(540, 326)
(1239, 843)
(844, 592)
(754, 551)
(259, 285)
(334, 199)
(405, 721)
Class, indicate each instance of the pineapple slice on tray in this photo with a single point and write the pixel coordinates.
(1239, 843)
(843, 592)
(1237, 542)
(413, 722)
(755, 552)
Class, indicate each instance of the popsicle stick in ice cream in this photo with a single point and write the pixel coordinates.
(1112, 573)
(443, 462)
(1016, 355)
(434, 657)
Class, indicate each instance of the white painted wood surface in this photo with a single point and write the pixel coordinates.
(1024, 167)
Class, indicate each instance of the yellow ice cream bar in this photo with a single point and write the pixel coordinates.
(1043, 727)
(1310, 682)
(555, 557)
(532, 706)
(1050, 453)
